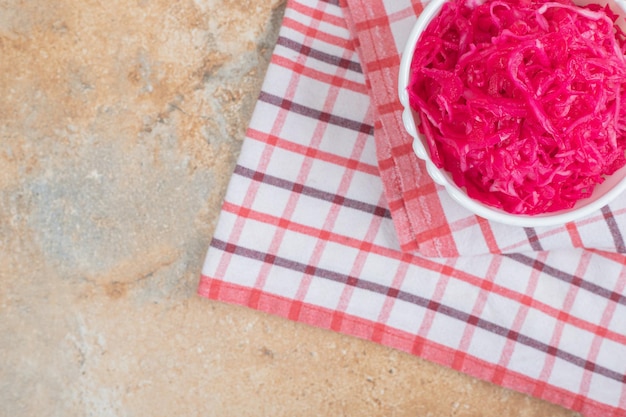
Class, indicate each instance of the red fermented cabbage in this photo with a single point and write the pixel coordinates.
(522, 101)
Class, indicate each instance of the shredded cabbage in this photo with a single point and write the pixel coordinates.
(521, 100)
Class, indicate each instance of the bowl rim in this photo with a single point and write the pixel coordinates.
(441, 176)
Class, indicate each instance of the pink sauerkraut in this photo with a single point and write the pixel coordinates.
(522, 101)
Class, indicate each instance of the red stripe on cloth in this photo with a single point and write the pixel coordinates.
(319, 35)
(319, 154)
(375, 23)
(615, 257)
(324, 16)
(321, 317)
(318, 75)
(408, 12)
(388, 108)
(490, 239)
(390, 62)
(404, 149)
(421, 190)
(574, 235)
(417, 7)
(464, 223)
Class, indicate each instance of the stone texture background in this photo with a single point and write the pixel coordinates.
(120, 123)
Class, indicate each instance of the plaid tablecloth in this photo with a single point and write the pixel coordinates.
(330, 220)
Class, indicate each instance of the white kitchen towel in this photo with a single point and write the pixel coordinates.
(316, 228)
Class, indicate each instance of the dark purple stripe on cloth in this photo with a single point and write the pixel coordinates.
(533, 239)
(419, 301)
(568, 278)
(316, 114)
(319, 55)
(614, 229)
(312, 192)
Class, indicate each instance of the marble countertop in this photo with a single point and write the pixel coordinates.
(120, 125)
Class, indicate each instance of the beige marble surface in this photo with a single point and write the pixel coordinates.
(120, 122)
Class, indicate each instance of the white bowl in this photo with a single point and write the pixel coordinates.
(602, 195)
